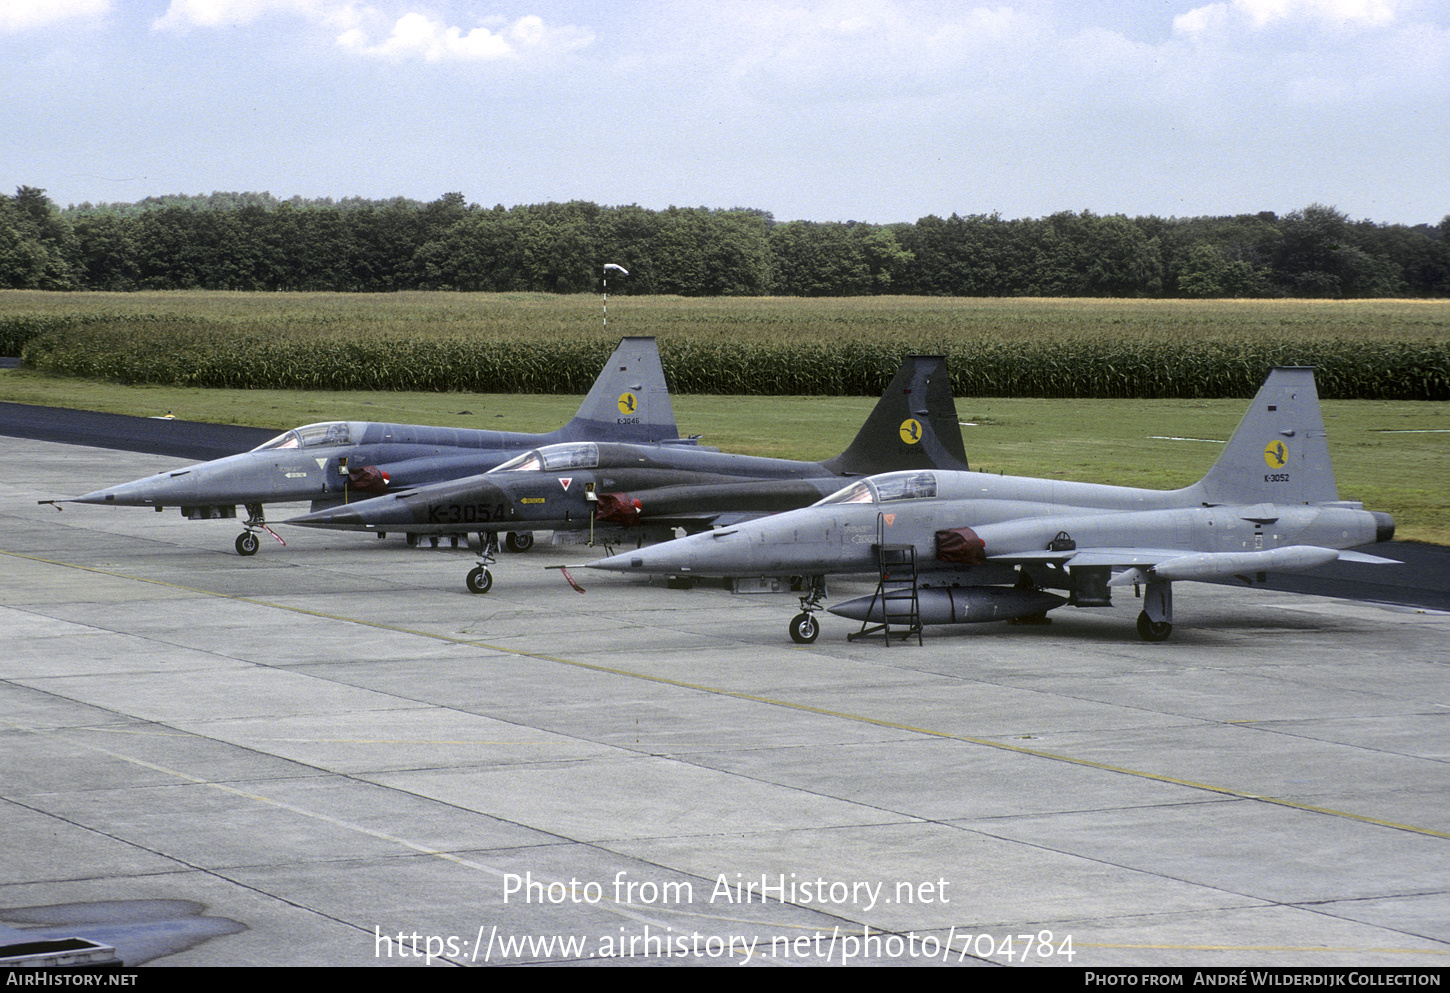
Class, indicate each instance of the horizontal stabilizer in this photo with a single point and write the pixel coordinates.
(1364, 558)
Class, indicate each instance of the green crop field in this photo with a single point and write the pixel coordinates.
(1153, 419)
(536, 343)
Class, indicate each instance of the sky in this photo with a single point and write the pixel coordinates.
(879, 111)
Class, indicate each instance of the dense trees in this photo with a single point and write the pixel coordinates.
(253, 241)
(37, 248)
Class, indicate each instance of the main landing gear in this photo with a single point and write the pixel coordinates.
(1151, 630)
(804, 628)
(1155, 623)
(247, 541)
(479, 579)
(514, 541)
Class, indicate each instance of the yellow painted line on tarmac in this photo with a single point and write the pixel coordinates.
(755, 698)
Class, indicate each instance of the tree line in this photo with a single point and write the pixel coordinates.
(254, 241)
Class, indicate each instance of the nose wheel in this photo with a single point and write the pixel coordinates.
(804, 628)
(479, 579)
(247, 541)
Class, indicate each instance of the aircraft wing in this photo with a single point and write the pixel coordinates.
(1217, 565)
(1142, 565)
(1121, 557)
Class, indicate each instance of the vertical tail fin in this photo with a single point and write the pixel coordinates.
(629, 402)
(913, 426)
(1279, 453)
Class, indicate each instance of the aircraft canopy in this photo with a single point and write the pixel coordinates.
(327, 433)
(552, 458)
(886, 488)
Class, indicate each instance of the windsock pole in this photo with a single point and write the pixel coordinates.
(610, 267)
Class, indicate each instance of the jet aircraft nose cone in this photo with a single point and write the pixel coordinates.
(99, 496)
(676, 557)
(626, 562)
(333, 517)
(138, 493)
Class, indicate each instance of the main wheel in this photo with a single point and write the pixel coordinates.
(480, 580)
(247, 543)
(803, 628)
(519, 541)
(1151, 630)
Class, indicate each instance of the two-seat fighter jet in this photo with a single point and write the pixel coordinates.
(342, 461)
(642, 491)
(961, 547)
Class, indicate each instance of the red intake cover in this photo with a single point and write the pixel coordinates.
(369, 479)
(617, 508)
(961, 545)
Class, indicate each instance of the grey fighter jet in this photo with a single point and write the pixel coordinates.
(960, 547)
(612, 490)
(339, 462)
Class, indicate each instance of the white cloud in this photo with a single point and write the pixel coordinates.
(1259, 14)
(354, 27)
(419, 36)
(22, 15)
(1199, 21)
(184, 14)
(851, 49)
(1368, 12)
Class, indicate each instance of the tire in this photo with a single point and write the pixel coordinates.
(479, 580)
(1151, 630)
(519, 541)
(247, 543)
(804, 629)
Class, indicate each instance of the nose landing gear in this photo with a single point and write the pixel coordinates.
(479, 579)
(804, 628)
(247, 541)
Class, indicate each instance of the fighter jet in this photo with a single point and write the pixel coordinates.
(610, 489)
(963, 547)
(338, 462)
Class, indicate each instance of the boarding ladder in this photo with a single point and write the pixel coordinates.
(896, 592)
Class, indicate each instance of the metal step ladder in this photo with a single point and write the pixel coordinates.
(896, 593)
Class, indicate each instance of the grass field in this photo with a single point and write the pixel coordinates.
(1392, 454)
